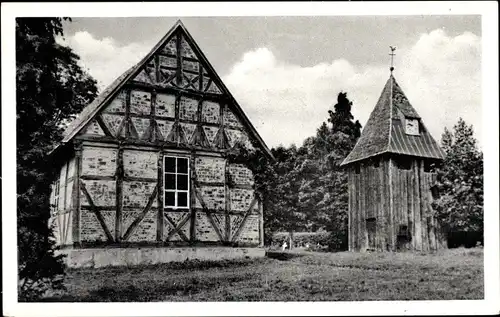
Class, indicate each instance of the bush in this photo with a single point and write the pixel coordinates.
(338, 240)
(466, 239)
(302, 238)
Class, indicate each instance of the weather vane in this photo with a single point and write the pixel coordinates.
(393, 48)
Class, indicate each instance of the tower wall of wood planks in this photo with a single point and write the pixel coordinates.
(398, 201)
(391, 180)
(145, 163)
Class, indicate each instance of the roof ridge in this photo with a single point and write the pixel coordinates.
(114, 86)
(403, 104)
(374, 140)
(93, 108)
(226, 90)
(391, 78)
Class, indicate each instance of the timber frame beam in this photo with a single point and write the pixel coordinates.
(143, 214)
(76, 195)
(98, 214)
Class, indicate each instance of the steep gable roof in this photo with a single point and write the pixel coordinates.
(384, 132)
(90, 111)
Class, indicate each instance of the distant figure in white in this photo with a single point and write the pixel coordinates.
(283, 247)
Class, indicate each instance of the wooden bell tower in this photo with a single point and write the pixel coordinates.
(391, 173)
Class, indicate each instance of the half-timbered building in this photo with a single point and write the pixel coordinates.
(144, 165)
(390, 175)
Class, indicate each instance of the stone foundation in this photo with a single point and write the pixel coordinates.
(102, 257)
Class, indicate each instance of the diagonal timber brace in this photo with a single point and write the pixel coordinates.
(245, 217)
(98, 214)
(178, 228)
(205, 210)
(138, 220)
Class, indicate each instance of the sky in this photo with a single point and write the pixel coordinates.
(286, 72)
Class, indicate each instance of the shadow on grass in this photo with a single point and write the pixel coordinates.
(188, 265)
(167, 282)
(153, 291)
(282, 256)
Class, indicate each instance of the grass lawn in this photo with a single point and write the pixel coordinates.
(447, 275)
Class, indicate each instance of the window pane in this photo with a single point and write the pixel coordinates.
(169, 198)
(169, 181)
(170, 164)
(182, 182)
(182, 199)
(182, 165)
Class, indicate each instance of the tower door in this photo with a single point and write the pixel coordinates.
(371, 229)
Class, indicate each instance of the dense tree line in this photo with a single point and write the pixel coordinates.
(309, 188)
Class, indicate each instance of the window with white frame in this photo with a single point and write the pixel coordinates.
(176, 182)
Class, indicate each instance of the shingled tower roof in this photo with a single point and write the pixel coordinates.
(384, 132)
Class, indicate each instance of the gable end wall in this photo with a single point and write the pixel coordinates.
(171, 103)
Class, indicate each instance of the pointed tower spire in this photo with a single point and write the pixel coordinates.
(393, 48)
(385, 131)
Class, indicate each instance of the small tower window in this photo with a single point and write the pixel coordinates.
(357, 169)
(371, 229)
(403, 163)
(403, 231)
(429, 167)
(403, 238)
(435, 192)
(412, 126)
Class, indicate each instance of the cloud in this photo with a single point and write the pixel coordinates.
(439, 74)
(442, 77)
(105, 59)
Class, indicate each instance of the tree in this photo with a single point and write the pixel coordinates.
(342, 119)
(324, 191)
(51, 89)
(285, 202)
(276, 181)
(305, 187)
(460, 181)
